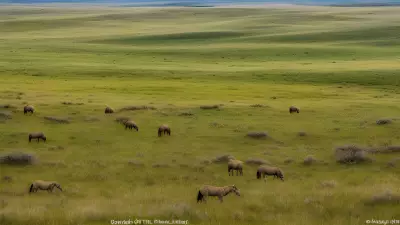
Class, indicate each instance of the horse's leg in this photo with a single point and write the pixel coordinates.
(220, 198)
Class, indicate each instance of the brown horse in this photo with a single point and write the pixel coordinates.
(44, 185)
(28, 108)
(131, 124)
(293, 109)
(219, 192)
(235, 165)
(269, 171)
(38, 136)
(163, 129)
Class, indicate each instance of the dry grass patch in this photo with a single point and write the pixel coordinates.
(5, 115)
(7, 106)
(258, 106)
(56, 148)
(288, 161)
(122, 119)
(136, 163)
(72, 103)
(7, 179)
(161, 165)
(328, 184)
(393, 162)
(387, 149)
(185, 114)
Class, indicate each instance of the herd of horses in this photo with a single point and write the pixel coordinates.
(203, 192)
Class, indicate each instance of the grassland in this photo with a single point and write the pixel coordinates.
(340, 66)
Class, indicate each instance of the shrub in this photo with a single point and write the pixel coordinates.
(18, 158)
(222, 158)
(386, 197)
(56, 119)
(351, 154)
(209, 107)
(254, 161)
(257, 135)
(133, 108)
(383, 121)
(309, 160)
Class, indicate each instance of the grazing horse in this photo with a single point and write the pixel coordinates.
(37, 136)
(163, 129)
(130, 124)
(269, 171)
(235, 165)
(219, 192)
(44, 185)
(28, 108)
(293, 109)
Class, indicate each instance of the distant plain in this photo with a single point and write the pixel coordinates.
(340, 66)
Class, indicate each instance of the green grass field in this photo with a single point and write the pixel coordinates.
(340, 66)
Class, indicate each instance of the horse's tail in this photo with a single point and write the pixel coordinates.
(31, 188)
(159, 132)
(258, 175)
(199, 196)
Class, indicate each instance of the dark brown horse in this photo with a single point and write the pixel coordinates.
(293, 109)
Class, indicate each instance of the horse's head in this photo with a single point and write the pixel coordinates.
(235, 190)
(57, 186)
